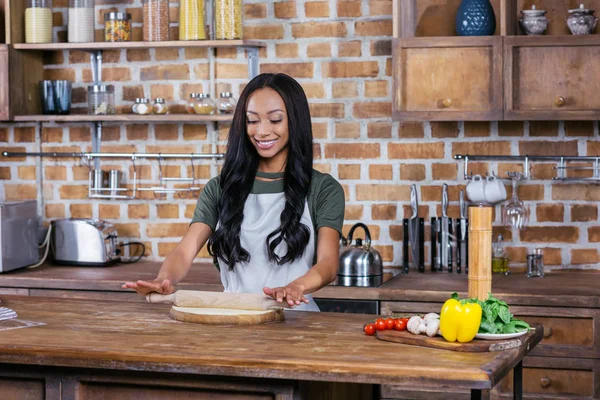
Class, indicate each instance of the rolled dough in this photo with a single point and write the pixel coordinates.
(225, 316)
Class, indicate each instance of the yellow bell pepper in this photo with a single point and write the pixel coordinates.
(459, 321)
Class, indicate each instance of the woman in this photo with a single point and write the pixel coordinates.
(272, 222)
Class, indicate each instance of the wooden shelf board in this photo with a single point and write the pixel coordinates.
(137, 45)
(550, 40)
(123, 118)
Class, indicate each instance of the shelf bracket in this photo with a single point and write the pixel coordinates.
(252, 62)
(96, 140)
(96, 62)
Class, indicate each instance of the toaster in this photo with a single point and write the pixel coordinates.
(83, 242)
(18, 235)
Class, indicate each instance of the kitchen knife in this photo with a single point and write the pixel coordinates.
(450, 244)
(405, 264)
(444, 227)
(433, 244)
(413, 227)
(421, 244)
(194, 298)
(463, 237)
(458, 255)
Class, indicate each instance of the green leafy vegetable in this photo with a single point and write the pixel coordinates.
(495, 316)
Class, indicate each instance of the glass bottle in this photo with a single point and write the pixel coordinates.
(155, 16)
(38, 21)
(101, 99)
(204, 105)
(499, 257)
(191, 20)
(228, 19)
(81, 21)
(117, 27)
(226, 103)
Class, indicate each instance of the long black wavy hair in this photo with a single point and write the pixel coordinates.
(239, 171)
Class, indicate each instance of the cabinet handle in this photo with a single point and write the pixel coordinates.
(547, 332)
(444, 103)
(545, 382)
(559, 101)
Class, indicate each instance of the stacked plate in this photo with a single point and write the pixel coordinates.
(38, 25)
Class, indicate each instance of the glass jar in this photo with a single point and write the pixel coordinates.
(228, 19)
(144, 108)
(499, 257)
(155, 15)
(117, 27)
(160, 106)
(191, 20)
(226, 103)
(204, 105)
(81, 21)
(38, 21)
(101, 99)
(189, 106)
(134, 107)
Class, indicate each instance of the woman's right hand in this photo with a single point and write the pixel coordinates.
(145, 287)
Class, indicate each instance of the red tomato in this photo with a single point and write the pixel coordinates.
(380, 324)
(405, 320)
(400, 324)
(389, 323)
(370, 329)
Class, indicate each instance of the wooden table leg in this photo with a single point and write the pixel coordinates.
(477, 394)
(518, 381)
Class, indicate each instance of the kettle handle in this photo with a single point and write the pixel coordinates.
(367, 233)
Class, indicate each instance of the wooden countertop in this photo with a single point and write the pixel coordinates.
(306, 346)
(566, 288)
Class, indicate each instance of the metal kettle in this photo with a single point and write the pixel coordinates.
(360, 264)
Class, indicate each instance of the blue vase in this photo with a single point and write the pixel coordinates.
(475, 18)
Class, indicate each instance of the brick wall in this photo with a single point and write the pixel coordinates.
(340, 51)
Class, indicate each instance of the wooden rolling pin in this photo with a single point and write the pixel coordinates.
(194, 298)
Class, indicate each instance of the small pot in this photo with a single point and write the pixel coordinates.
(534, 22)
(359, 260)
(581, 21)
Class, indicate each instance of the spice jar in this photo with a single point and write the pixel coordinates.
(189, 106)
(144, 108)
(204, 105)
(101, 99)
(134, 107)
(117, 27)
(38, 21)
(155, 15)
(228, 19)
(81, 21)
(191, 20)
(160, 106)
(226, 103)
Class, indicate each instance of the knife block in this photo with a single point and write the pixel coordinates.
(480, 252)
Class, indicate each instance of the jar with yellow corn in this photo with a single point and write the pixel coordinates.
(204, 105)
(191, 20)
(228, 19)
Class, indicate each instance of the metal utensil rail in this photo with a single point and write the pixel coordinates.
(561, 161)
(99, 192)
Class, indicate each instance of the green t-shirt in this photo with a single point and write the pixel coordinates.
(326, 200)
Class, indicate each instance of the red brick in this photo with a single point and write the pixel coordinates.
(109, 211)
(548, 148)
(138, 211)
(379, 130)
(137, 132)
(411, 130)
(5, 173)
(373, 28)
(165, 72)
(383, 212)
(504, 168)
(381, 47)
(3, 135)
(73, 191)
(316, 50)
(412, 172)
(352, 150)
(82, 211)
(349, 9)
(350, 69)
(55, 173)
(584, 213)
(162, 91)
(372, 110)
(285, 9)
(54, 211)
(194, 132)
(27, 172)
(348, 130)
(413, 151)
(263, 32)
(130, 229)
(24, 134)
(376, 88)
(255, 11)
(511, 128)
(20, 192)
(345, 89)
(444, 129)
(444, 171)
(550, 234)
(550, 212)
(326, 110)
(138, 55)
(67, 74)
(543, 128)
(353, 212)
(380, 172)
(167, 210)
(378, 192)
(166, 230)
(296, 70)
(286, 50)
(130, 93)
(316, 9)
(358, 233)
(477, 129)
(319, 29)
(349, 49)
(109, 74)
(166, 132)
(314, 90)
(323, 168)
(52, 135)
(584, 256)
(482, 148)
(380, 7)
(319, 130)
(581, 192)
(166, 54)
(349, 171)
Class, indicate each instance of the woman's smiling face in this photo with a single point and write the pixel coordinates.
(267, 124)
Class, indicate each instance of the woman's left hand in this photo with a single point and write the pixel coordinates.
(293, 294)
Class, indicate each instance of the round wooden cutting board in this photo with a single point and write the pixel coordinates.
(225, 316)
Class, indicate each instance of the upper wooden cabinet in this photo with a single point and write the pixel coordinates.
(4, 88)
(552, 77)
(438, 76)
(446, 79)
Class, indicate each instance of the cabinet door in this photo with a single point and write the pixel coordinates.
(447, 79)
(4, 89)
(552, 78)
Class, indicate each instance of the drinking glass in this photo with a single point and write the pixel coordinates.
(515, 213)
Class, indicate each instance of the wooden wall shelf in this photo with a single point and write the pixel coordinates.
(97, 46)
(123, 118)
